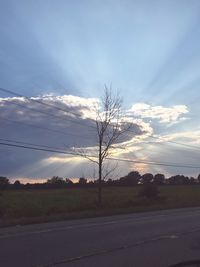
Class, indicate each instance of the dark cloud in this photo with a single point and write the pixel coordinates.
(30, 122)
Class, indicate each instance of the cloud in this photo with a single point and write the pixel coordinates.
(160, 113)
(33, 123)
(185, 137)
(85, 107)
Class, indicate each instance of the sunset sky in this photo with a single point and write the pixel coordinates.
(64, 52)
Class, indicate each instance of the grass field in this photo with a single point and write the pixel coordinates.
(30, 206)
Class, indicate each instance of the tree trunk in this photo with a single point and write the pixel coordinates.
(100, 173)
(100, 184)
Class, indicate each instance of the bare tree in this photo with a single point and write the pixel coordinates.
(109, 127)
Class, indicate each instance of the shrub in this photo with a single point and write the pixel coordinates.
(149, 190)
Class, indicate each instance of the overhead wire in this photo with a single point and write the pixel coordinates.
(38, 101)
(32, 147)
(44, 128)
(42, 111)
(169, 141)
(68, 119)
(25, 143)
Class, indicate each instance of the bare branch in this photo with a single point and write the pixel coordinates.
(107, 170)
(109, 121)
(82, 153)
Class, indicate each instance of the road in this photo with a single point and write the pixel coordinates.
(159, 238)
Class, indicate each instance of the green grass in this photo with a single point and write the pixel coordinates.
(29, 206)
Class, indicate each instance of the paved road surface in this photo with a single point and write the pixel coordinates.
(154, 239)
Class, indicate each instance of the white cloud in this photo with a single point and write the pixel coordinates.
(83, 106)
(160, 113)
(186, 137)
(16, 162)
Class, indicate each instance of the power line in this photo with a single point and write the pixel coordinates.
(169, 141)
(42, 111)
(38, 101)
(32, 125)
(176, 143)
(75, 114)
(38, 148)
(49, 114)
(25, 143)
(44, 128)
(155, 163)
(109, 158)
(87, 137)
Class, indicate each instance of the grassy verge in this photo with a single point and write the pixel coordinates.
(35, 206)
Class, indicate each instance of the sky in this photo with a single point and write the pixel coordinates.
(64, 52)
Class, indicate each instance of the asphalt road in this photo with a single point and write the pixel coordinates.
(152, 239)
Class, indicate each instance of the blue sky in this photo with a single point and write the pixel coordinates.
(148, 50)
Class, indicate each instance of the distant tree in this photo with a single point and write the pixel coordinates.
(178, 180)
(56, 181)
(17, 184)
(4, 182)
(109, 182)
(68, 181)
(132, 178)
(186, 179)
(82, 181)
(149, 187)
(193, 180)
(198, 178)
(90, 183)
(159, 179)
(147, 178)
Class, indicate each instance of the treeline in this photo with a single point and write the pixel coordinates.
(133, 178)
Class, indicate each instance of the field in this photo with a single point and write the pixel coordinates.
(31, 206)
